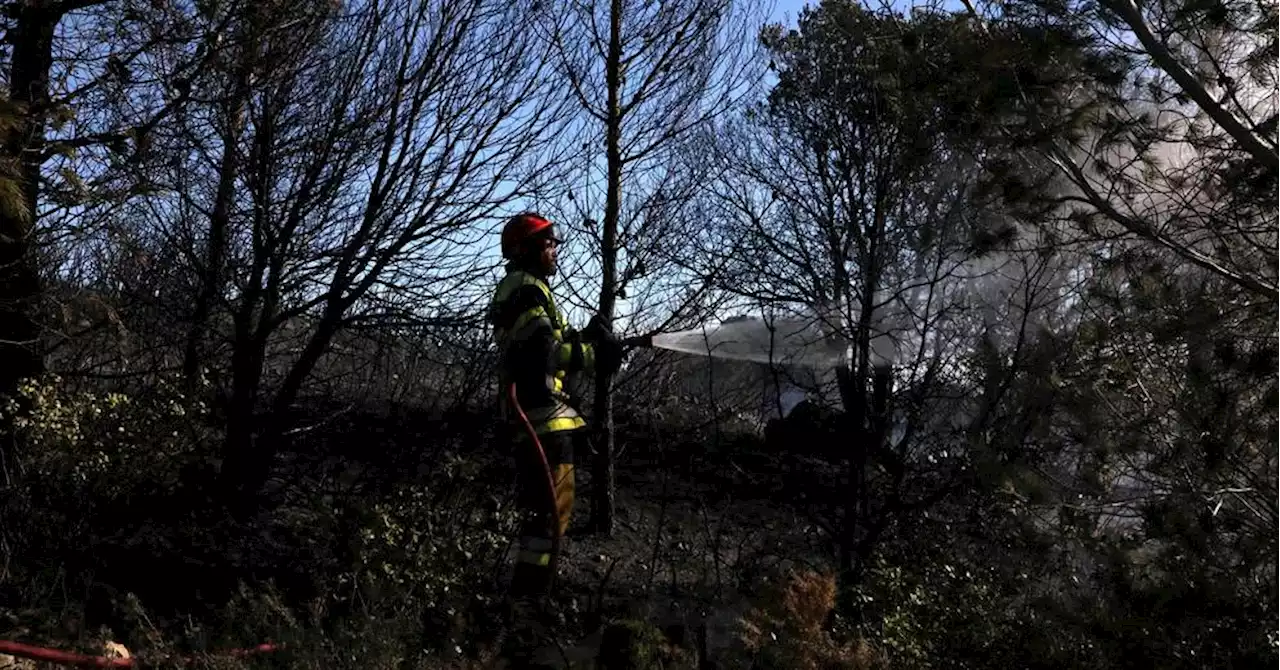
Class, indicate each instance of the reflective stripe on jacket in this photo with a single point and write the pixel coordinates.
(537, 350)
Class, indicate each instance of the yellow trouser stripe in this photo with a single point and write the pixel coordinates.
(553, 426)
(560, 425)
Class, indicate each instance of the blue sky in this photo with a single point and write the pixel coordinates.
(786, 11)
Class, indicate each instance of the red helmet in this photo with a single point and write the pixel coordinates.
(520, 229)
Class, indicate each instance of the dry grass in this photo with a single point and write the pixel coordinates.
(788, 629)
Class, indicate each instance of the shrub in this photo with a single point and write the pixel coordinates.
(87, 457)
(432, 547)
(412, 542)
(943, 612)
(633, 644)
(788, 629)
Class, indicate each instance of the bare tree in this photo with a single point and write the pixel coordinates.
(646, 78)
(373, 145)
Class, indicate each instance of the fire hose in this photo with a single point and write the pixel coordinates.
(46, 655)
(546, 467)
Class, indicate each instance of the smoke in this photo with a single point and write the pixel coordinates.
(1159, 172)
(1164, 173)
(934, 312)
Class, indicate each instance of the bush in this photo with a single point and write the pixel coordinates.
(789, 629)
(92, 464)
(112, 513)
(433, 547)
(633, 644)
(947, 612)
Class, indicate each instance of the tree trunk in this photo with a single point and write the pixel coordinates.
(861, 417)
(869, 424)
(219, 230)
(244, 469)
(603, 476)
(853, 389)
(21, 355)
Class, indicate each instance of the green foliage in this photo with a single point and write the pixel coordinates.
(632, 644)
(87, 457)
(14, 208)
(938, 613)
(420, 544)
(107, 445)
(112, 478)
(904, 80)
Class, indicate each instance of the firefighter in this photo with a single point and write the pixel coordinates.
(541, 355)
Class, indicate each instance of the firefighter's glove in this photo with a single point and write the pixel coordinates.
(609, 353)
(608, 348)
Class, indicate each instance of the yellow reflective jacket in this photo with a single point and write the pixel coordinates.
(537, 350)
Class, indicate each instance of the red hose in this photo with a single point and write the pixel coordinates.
(551, 480)
(84, 661)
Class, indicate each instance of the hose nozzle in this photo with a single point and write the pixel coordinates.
(639, 341)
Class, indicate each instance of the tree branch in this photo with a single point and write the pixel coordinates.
(1194, 89)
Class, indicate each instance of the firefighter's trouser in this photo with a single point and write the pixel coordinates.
(533, 570)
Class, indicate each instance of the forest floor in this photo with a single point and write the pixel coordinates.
(698, 541)
(699, 533)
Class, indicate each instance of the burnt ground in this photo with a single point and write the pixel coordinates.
(702, 526)
(698, 535)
